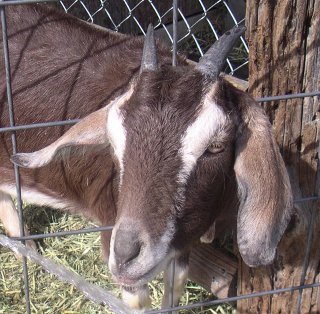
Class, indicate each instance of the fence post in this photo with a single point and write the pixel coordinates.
(285, 58)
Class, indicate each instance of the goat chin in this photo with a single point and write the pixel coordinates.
(137, 298)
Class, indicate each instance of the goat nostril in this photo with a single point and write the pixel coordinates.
(127, 247)
(134, 252)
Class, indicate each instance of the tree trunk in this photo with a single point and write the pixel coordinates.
(285, 58)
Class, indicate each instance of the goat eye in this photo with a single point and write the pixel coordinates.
(214, 148)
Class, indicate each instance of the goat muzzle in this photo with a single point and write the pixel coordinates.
(127, 247)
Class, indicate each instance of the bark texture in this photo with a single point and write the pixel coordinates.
(284, 57)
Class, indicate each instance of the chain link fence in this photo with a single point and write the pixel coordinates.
(200, 23)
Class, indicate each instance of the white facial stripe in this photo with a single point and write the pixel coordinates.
(115, 128)
(197, 137)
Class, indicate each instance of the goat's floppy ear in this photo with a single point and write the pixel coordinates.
(263, 184)
(91, 130)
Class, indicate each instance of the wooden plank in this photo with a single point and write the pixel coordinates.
(214, 269)
(236, 82)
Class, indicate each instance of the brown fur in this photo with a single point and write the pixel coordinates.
(63, 68)
(155, 212)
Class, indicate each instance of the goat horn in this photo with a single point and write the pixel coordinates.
(149, 56)
(213, 60)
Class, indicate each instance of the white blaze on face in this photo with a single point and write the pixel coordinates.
(200, 134)
(115, 128)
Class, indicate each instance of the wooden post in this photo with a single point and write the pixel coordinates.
(285, 58)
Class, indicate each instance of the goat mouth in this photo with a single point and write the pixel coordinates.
(142, 269)
(130, 281)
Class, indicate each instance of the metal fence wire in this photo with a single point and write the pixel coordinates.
(192, 28)
(200, 23)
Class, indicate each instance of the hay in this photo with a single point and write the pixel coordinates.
(80, 253)
(93, 292)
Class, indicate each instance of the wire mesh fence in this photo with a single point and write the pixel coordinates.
(199, 25)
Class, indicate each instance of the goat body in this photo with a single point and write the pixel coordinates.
(63, 68)
(164, 153)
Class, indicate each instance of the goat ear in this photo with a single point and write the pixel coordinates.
(91, 130)
(264, 187)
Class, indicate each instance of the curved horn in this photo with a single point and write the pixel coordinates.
(149, 56)
(213, 60)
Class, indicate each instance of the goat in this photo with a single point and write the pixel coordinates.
(163, 152)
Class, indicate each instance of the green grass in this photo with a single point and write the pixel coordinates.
(80, 253)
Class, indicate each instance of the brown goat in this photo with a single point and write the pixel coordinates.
(161, 151)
